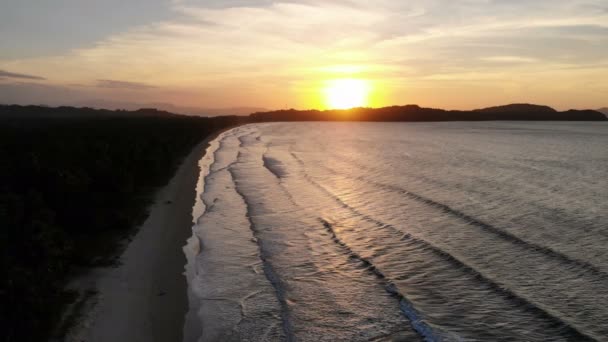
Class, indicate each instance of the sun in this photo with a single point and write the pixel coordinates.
(346, 93)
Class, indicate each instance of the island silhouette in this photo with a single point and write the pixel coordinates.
(515, 112)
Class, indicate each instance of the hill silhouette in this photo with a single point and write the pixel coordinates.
(515, 112)
(169, 107)
(603, 110)
(527, 112)
(127, 109)
(24, 112)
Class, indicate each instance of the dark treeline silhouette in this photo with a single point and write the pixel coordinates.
(415, 113)
(74, 184)
(31, 112)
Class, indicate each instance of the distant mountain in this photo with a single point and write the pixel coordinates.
(526, 112)
(169, 107)
(536, 112)
(603, 110)
(16, 111)
(395, 113)
(518, 109)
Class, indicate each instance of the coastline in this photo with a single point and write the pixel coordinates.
(145, 298)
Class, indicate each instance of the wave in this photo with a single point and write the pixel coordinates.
(275, 166)
(416, 320)
(498, 232)
(195, 244)
(342, 254)
(256, 310)
(244, 141)
(497, 287)
(211, 170)
(270, 273)
(505, 235)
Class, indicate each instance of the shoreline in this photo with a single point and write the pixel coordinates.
(145, 298)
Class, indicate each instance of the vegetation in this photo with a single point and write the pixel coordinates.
(72, 187)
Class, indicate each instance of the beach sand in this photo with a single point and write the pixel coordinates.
(145, 298)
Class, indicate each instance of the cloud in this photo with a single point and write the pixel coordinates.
(275, 53)
(123, 85)
(509, 59)
(26, 93)
(6, 74)
(31, 28)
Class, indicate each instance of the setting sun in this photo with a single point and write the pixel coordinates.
(346, 93)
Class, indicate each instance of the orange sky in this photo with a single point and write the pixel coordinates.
(454, 55)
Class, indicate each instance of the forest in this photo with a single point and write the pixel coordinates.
(73, 186)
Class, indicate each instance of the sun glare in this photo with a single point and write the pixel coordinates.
(346, 93)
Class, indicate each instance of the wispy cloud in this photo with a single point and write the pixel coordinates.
(276, 53)
(509, 59)
(123, 85)
(6, 74)
(20, 92)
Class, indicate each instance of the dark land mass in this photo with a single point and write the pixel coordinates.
(127, 109)
(77, 181)
(512, 112)
(186, 110)
(34, 112)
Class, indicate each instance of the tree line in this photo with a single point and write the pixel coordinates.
(73, 187)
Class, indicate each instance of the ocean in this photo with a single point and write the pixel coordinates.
(456, 231)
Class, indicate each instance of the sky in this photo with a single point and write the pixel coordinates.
(282, 54)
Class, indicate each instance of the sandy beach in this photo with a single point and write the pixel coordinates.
(145, 298)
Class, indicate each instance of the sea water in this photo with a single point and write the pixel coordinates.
(402, 231)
